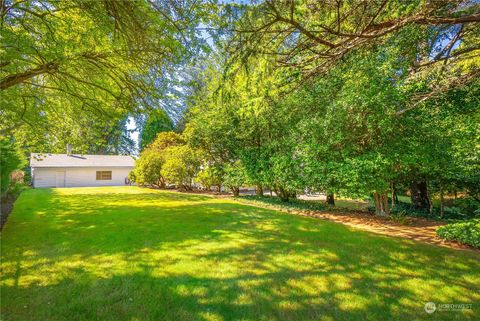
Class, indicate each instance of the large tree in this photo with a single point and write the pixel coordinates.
(156, 122)
(74, 66)
(309, 37)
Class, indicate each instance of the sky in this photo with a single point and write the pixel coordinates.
(131, 125)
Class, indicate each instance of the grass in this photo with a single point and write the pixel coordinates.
(293, 203)
(124, 253)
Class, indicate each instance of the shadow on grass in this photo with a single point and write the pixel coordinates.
(169, 256)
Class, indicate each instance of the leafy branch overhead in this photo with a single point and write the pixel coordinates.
(64, 58)
(310, 37)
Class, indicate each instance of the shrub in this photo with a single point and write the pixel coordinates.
(468, 206)
(463, 209)
(181, 165)
(463, 232)
(11, 158)
(400, 217)
(454, 212)
(234, 177)
(410, 210)
(209, 176)
(148, 167)
(132, 177)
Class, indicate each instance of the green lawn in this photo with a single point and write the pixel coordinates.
(125, 253)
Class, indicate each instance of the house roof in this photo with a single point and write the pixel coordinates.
(74, 160)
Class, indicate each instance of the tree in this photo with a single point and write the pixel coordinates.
(11, 158)
(181, 165)
(337, 134)
(209, 176)
(95, 64)
(311, 37)
(148, 167)
(165, 140)
(234, 177)
(156, 122)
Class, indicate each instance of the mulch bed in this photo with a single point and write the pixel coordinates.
(6, 207)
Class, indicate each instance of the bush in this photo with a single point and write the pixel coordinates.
(463, 210)
(399, 217)
(411, 210)
(11, 158)
(463, 232)
(234, 177)
(468, 206)
(149, 165)
(181, 165)
(147, 169)
(209, 176)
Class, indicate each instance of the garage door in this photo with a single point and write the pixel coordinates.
(60, 178)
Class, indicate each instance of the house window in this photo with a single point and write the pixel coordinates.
(104, 175)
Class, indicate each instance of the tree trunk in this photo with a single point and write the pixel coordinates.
(331, 199)
(419, 195)
(376, 202)
(219, 188)
(259, 190)
(162, 182)
(235, 191)
(381, 204)
(15, 79)
(282, 194)
(441, 200)
(393, 195)
(385, 207)
(186, 187)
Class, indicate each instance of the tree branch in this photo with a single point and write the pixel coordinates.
(15, 79)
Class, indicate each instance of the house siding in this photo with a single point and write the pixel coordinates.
(78, 177)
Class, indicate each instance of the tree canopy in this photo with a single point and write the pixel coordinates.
(360, 98)
(71, 68)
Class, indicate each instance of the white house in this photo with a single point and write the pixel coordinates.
(69, 170)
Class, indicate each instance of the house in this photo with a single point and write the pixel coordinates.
(70, 170)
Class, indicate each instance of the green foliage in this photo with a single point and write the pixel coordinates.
(148, 166)
(410, 210)
(400, 217)
(357, 131)
(209, 176)
(181, 165)
(11, 158)
(468, 205)
(234, 177)
(157, 121)
(132, 177)
(72, 70)
(465, 232)
(165, 140)
(310, 38)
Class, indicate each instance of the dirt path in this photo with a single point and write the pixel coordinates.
(417, 229)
